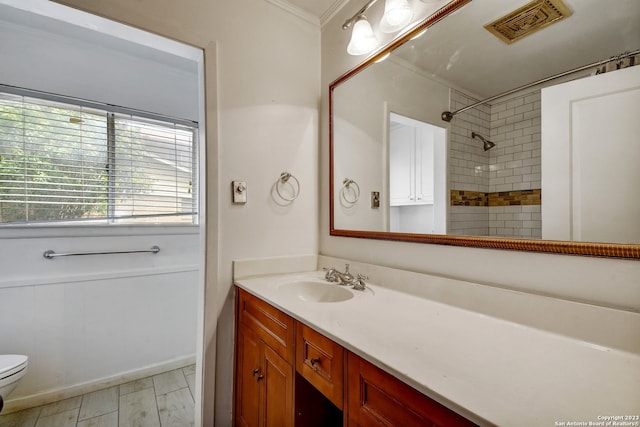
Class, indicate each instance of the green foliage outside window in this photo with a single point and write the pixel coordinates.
(62, 164)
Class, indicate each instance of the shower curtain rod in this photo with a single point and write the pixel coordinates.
(448, 115)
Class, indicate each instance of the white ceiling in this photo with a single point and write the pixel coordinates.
(461, 51)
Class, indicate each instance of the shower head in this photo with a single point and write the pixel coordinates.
(488, 145)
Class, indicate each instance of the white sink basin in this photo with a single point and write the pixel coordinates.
(316, 291)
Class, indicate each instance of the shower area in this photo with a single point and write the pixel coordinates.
(494, 167)
(495, 175)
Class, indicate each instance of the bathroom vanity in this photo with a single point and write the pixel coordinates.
(425, 350)
(278, 358)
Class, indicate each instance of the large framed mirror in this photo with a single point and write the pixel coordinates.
(495, 134)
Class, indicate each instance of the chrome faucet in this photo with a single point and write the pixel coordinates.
(346, 278)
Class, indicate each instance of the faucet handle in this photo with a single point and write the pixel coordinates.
(331, 274)
(359, 284)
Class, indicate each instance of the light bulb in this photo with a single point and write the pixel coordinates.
(362, 38)
(397, 14)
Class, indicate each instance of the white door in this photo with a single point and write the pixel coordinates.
(591, 157)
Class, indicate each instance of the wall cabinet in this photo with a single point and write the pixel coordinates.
(329, 386)
(411, 168)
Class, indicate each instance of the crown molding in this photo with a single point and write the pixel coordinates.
(295, 10)
(332, 11)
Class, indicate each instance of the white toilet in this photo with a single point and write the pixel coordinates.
(12, 368)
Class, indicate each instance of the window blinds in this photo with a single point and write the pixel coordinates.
(64, 162)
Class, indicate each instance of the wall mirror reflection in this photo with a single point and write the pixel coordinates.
(534, 102)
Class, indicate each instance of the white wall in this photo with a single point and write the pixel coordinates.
(262, 69)
(39, 53)
(363, 130)
(601, 281)
(91, 318)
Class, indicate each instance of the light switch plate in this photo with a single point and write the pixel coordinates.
(239, 192)
(375, 199)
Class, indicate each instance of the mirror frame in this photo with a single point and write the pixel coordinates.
(605, 250)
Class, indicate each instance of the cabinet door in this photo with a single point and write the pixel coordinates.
(277, 401)
(402, 165)
(376, 398)
(248, 368)
(264, 374)
(424, 167)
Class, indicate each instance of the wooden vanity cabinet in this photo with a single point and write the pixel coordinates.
(287, 373)
(375, 398)
(320, 361)
(264, 375)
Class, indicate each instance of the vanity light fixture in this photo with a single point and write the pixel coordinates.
(397, 14)
(362, 38)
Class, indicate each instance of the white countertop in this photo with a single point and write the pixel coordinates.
(490, 370)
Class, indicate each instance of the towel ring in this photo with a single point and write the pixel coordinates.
(346, 185)
(284, 178)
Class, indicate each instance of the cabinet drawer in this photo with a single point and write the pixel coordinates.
(376, 398)
(271, 325)
(320, 361)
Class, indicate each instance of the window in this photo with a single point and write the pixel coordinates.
(61, 162)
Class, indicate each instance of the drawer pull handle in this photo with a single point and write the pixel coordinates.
(315, 362)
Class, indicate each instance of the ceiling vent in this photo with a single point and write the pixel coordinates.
(528, 19)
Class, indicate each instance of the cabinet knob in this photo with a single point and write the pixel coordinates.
(255, 371)
(260, 377)
(314, 361)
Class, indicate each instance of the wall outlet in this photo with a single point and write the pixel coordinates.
(239, 192)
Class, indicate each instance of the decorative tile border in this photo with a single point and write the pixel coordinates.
(469, 198)
(499, 198)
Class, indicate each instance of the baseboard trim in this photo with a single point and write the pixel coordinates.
(54, 395)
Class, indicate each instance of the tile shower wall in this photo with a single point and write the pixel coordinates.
(468, 164)
(504, 174)
(515, 128)
(515, 165)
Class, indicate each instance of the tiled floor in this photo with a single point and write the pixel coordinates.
(164, 400)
